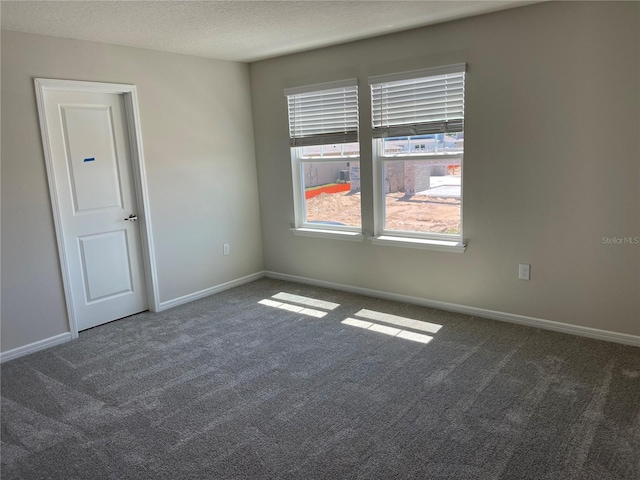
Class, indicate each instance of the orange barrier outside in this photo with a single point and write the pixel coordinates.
(341, 187)
(453, 169)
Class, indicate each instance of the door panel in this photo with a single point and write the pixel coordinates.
(91, 159)
(91, 154)
(106, 265)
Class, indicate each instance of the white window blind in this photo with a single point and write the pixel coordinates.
(418, 103)
(323, 114)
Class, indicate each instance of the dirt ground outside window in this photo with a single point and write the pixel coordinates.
(417, 213)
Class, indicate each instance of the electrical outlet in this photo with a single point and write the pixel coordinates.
(225, 249)
(524, 271)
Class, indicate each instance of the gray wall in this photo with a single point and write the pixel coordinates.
(551, 164)
(198, 138)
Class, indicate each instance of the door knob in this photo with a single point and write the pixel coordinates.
(132, 218)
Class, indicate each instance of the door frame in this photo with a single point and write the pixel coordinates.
(130, 96)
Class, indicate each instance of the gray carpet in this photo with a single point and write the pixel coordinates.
(229, 388)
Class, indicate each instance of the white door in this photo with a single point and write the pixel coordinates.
(91, 158)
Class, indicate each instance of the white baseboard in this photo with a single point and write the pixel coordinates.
(209, 291)
(65, 337)
(595, 333)
(35, 347)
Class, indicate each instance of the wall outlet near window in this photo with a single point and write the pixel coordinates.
(225, 249)
(524, 271)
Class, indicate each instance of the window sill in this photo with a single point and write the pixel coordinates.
(329, 234)
(421, 243)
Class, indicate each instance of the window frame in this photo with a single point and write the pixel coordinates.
(380, 196)
(329, 136)
(411, 239)
(298, 162)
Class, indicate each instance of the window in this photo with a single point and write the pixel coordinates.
(418, 136)
(325, 157)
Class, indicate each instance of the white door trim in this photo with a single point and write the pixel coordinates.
(130, 96)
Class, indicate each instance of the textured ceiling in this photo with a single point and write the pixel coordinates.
(232, 30)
